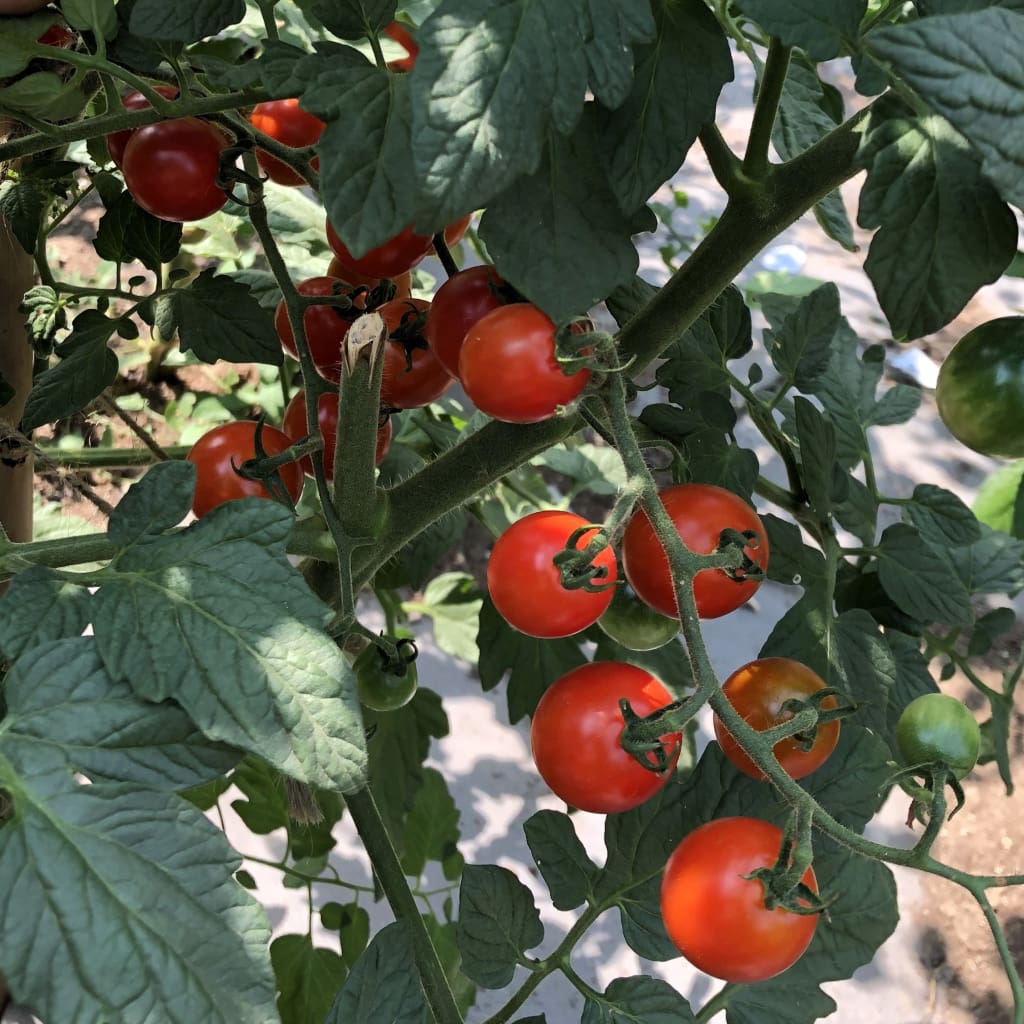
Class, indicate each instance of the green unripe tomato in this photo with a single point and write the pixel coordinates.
(635, 625)
(938, 729)
(383, 685)
(981, 388)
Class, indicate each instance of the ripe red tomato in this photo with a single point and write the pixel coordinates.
(525, 586)
(460, 302)
(717, 917)
(394, 257)
(171, 168)
(757, 691)
(288, 123)
(117, 141)
(294, 425)
(220, 450)
(700, 513)
(575, 737)
(402, 283)
(412, 375)
(508, 367)
(454, 233)
(58, 34)
(398, 33)
(326, 326)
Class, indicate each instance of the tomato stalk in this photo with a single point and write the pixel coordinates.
(769, 93)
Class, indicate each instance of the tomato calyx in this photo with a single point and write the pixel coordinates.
(576, 565)
(800, 720)
(643, 737)
(738, 566)
(265, 468)
(783, 882)
(409, 333)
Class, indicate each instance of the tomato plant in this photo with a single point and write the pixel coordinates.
(938, 729)
(326, 325)
(294, 425)
(171, 168)
(507, 366)
(219, 454)
(758, 691)
(575, 737)
(412, 375)
(981, 388)
(717, 917)
(700, 513)
(526, 586)
(288, 123)
(118, 141)
(635, 625)
(460, 302)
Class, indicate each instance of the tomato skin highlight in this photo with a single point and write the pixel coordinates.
(402, 386)
(575, 737)
(390, 259)
(700, 513)
(294, 425)
(757, 691)
(326, 326)
(117, 141)
(460, 302)
(936, 728)
(508, 367)
(980, 392)
(288, 123)
(171, 169)
(216, 479)
(526, 587)
(717, 918)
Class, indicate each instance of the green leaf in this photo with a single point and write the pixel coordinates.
(218, 317)
(533, 665)
(38, 607)
(17, 36)
(97, 16)
(61, 701)
(227, 627)
(817, 454)
(444, 938)
(561, 858)
(820, 29)
(382, 986)
(792, 561)
(307, 978)
(898, 404)
(642, 998)
(676, 87)
(498, 922)
(941, 517)
(126, 232)
(453, 601)
(399, 744)
(924, 265)
(354, 931)
(963, 6)
(988, 629)
(153, 885)
(491, 81)
(89, 369)
(998, 499)
(152, 507)
(266, 808)
(562, 215)
(773, 1002)
(992, 565)
(351, 19)
(610, 63)
(920, 580)
(22, 205)
(912, 676)
(967, 68)
(186, 20)
(598, 470)
(431, 827)
(800, 345)
(847, 390)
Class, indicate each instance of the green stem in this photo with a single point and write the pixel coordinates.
(718, 1002)
(773, 78)
(105, 458)
(725, 165)
(302, 876)
(370, 826)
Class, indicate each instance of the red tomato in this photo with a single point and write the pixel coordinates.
(454, 233)
(58, 34)
(460, 302)
(219, 451)
(403, 283)
(412, 375)
(717, 917)
(575, 737)
(294, 425)
(117, 141)
(398, 33)
(288, 123)
(757, 691)
(508, 367)
(394, 257)
(171, 168)
(326, 326)
(700, 513)
(525, 586)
